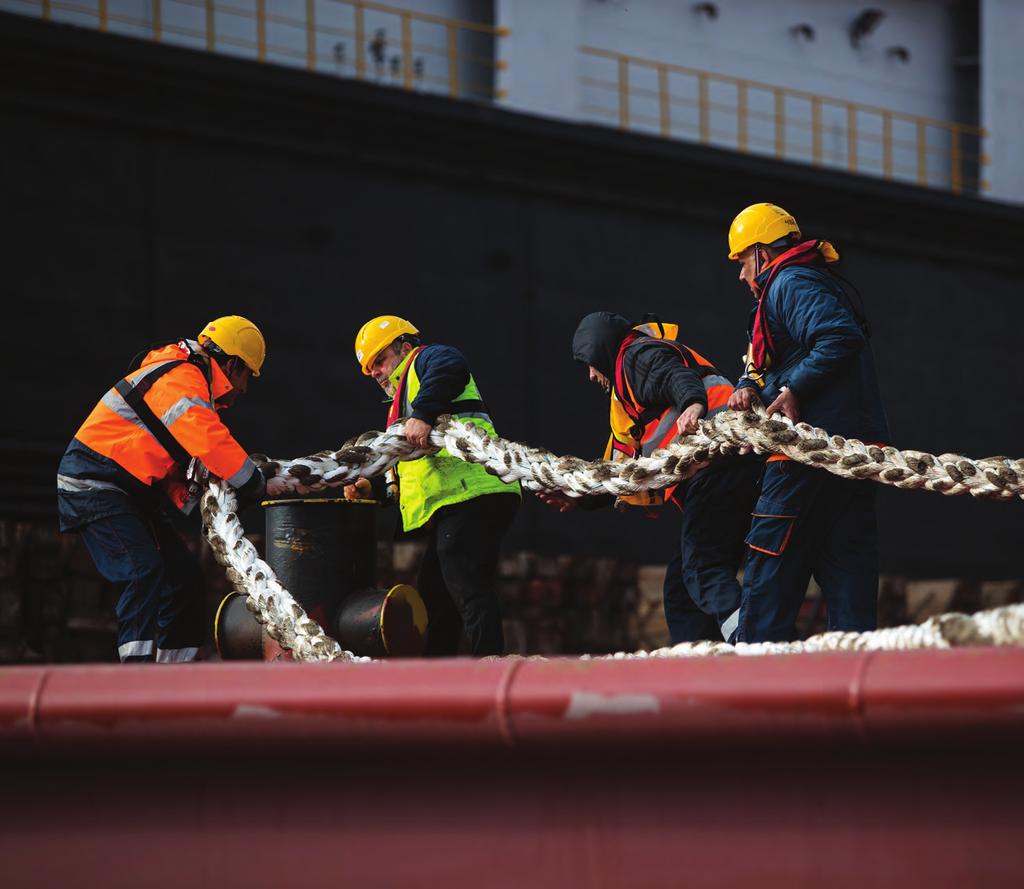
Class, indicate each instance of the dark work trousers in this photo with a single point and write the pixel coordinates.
(809, 522)
(458, 575)
(161, 604)
(702, 594)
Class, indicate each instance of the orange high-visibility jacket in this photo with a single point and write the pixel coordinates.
(116, 448)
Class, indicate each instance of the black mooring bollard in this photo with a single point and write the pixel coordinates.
(321, 549)
(383, 623)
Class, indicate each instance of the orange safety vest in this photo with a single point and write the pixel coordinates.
(639, 431)
(159, 417)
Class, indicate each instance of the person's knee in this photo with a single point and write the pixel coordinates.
(144, 567)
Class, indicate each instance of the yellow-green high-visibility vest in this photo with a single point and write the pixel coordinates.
(427, 484)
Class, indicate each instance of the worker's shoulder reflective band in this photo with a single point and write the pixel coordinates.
(141, 648)
(243, 475)
(116, 402)
(119, 406)
(78, 485)
(143, 373)
(175, 655)
(181, 406)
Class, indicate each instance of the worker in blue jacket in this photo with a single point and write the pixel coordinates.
(810, 360)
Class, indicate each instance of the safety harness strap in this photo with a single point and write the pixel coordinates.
(134, 395)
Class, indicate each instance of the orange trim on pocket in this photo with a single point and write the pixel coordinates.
(785, 540)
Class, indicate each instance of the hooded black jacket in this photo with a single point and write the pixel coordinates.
(655, 371)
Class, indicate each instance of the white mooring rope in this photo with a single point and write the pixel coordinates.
(728, 432)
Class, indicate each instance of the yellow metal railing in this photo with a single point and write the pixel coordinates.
(432, 51)
(749, 116)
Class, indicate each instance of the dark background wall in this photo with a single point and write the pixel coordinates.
(147, 189)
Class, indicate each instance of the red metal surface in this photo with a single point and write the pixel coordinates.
(557, 704)
(884, 770)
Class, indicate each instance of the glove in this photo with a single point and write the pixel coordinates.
(253, 491)
(196, 477)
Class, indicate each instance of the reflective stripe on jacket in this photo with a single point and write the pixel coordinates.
(427, 484)
(118, 449)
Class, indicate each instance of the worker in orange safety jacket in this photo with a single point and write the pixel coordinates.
(138, 459)
(659, 388)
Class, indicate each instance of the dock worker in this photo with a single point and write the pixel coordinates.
(810, 359)
(659, 388)
(462, 509)
(131, 472)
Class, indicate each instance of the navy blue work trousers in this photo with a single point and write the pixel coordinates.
(160, 608)
(702, 594)
(808, 522)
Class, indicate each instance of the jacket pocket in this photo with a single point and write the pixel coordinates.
(771, 527)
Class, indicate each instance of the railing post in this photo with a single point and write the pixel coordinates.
(780, 123)
(983, 160)
(103, 14)
(360, 39)
(211, 26)
(705, 111)
(955, 171)
(453, 61)
(623, 93)
(157, 21)
(261, 30)
(46, 9)
(741, 116)
(887, 144)
(851, 138)
(311, 35)
(816, 153)
(407, 49)
(922, 154)
(663, 100)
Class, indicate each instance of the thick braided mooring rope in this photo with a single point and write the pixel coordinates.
(726, 433)
(274, 607)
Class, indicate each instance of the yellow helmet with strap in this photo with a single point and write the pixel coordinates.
(238, 336)
(376, 335)
(760, 224)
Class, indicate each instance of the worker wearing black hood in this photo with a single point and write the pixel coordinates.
(660, 388)
(656, 374)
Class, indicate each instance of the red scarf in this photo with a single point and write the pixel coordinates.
(395, 411)
(809, 253)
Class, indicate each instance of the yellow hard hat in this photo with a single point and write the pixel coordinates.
(759, 224)
(238, 336)
(376, 335)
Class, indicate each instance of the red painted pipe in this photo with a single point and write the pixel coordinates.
(863, 698)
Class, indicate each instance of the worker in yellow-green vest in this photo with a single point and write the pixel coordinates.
(463, 509)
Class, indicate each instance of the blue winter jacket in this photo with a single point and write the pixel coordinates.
(821, 354)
